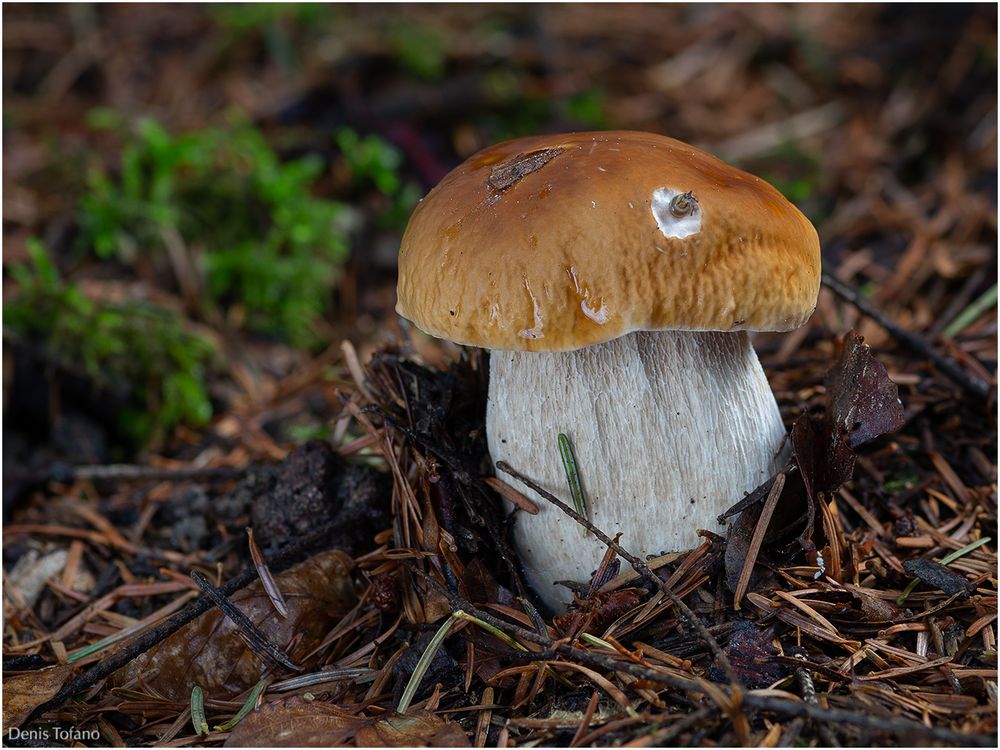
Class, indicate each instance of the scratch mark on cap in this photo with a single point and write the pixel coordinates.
(506, 175)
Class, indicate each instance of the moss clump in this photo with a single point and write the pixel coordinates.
(134, 343)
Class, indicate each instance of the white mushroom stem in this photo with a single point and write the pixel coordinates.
(669, 429)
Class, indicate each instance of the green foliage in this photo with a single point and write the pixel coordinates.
(132, 342)
(242, 17)
(420, 49)
(375, 160)
(589, 108)
(796, 173)
(265, 243)
(901, 482)
(371, 158)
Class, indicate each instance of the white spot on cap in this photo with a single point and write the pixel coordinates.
(536, 331)
(675, 227)
(599, 314)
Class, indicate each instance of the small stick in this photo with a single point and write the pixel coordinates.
(758, 538)
(805, 680)
(912, 341)
(780, 706)
(115, 661)
(253, 635)
(639, 566)
(271, 587)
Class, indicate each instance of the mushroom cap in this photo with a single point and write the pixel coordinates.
(557, 242)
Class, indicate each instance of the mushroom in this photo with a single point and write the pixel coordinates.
(614, 277)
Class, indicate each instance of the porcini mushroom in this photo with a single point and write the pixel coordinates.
(614, 276)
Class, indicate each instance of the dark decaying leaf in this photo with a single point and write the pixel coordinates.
(738, 536)
(23, 693)
(938, 576)
(442, 669)
(210, 651)
(862, 403)
(873, 608)
(749, 651)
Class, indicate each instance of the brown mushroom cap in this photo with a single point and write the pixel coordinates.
(557, 242)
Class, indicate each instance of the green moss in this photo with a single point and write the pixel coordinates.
(130, 342)
(260, 238)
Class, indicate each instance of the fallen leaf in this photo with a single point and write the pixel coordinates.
(873, 608)
(295, 722)
(738, 536)
(415, 729)
(210, 651)
(862, 403)
(749, 650)
(23, 693)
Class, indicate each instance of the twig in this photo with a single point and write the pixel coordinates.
(160, 633)
(912, 341)
(639, 566)
(254, 636)
(780, 706)
(758, 538)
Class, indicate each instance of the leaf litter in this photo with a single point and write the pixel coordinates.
(365, 626)
(847, 633)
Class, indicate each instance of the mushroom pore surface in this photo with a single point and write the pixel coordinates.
(669, 428)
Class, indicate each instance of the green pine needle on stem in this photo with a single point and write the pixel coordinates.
(425, 661)
(435, 643)
(486, 626)
(593, 640)
(93, 648)
(246, 708)
(950, 558)
(573, 478)
(198, 720)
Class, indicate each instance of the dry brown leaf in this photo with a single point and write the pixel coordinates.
(23, 693)
(295, 722)
(210, 651)
(415, 729)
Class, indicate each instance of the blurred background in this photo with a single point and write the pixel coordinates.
(202, 202)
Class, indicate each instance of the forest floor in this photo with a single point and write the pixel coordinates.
(202, 209)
